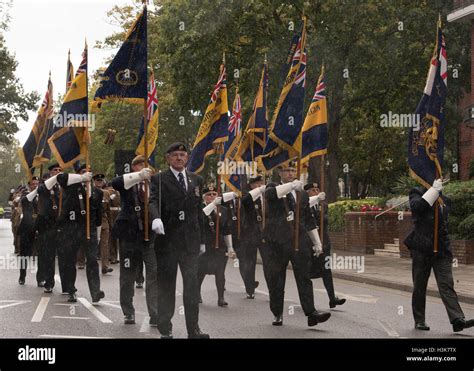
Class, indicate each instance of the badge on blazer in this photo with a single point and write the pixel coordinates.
(259, 218)
(290, 217)
(211, 224)
(256, 206)
(234, 218)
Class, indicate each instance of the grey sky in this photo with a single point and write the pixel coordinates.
(40, 34)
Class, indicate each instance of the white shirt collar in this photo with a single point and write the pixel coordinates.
(176, 172)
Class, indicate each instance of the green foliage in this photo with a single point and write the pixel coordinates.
(403, 185)
(466, 228)
(11, 173)
(338, 209)
(462, 208)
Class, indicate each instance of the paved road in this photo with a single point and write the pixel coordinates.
(370, 312)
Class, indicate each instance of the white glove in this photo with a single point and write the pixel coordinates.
(317, 246)
(228, 196)
(99, 229)
(202, 249)
(432, 194)
(31, 196)
(322, 196)
(51, 182)
(438, 185)
(283, 189)
(86, 177)
(313, 200)
(145, 174)
(157, 226)
(297, 185)
(210, 208)
(112, 196)
(255, 193)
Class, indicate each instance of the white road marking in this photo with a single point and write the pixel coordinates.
(145, 325)
(110, 304)
(12, 303)
(67, 304)
(388, 329)
(94, 310)
(360, 298)
(66, 317)
(40, 309)
(71, 337)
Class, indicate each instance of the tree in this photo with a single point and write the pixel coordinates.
(14, 101)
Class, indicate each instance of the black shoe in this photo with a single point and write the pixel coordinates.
(107, 270)
(48, 290)
(250, 296)
(21, 281)
(72, 298)
(222, 303)
(41, 283)
(96, 298)
(336, 301)
(129, 319)
(318, 317)
(422, 326)
(139, 285)
(166, 335)
(198, 334)
(153, 322)
(461, 324)
(256, 284)
(80, 266)
(278, 320)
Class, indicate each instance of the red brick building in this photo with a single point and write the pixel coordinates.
(463, 11)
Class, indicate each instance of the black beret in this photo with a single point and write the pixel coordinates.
(98, 176)
(78, 167)
(257, 178)
(178, 146)
(308, 186)
(289, 164)
(51, 167)
(209, 188)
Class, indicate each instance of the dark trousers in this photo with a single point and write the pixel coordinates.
(421, 270)
(247, 255)
(132, 256)
(73, 237)
(47, 243)
(326, 275)
(139, 277)
(168, 259)
(218, 270)
(279, 257)
(27, 241)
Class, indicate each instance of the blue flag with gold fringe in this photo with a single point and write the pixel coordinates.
(314, 134)
(35, 152)
(233, 180)
(126, 76)
(254, 137)
(288, 116)
(71, 136)
(213, 130)
(426, 145)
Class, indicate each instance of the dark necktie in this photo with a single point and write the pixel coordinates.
(181, 181)
(291, 201)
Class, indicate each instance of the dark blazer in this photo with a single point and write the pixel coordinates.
(126, 225)
(277, 227)
(209, 231)
(48, 211)
(30, 212)
(251, 230)
(72, 203)
(421, 238)
(181, 211)
(316, 212)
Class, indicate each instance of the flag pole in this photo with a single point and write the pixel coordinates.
(321, 208)
(219, 151)
(88, 165)
(145, 137)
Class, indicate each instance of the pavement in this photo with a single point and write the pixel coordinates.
(371, 311)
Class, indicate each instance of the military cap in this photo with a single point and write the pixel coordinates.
(138, 159)
(78, 167)
(98, 176)
(257, 178)
(52, 166)
(178, 146)
(308, 186)
(209, 188)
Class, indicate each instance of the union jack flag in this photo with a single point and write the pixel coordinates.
(83, 66)
(152, 100)
(236, 118)
(301, 77)
(320, 92)
(221, 83)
